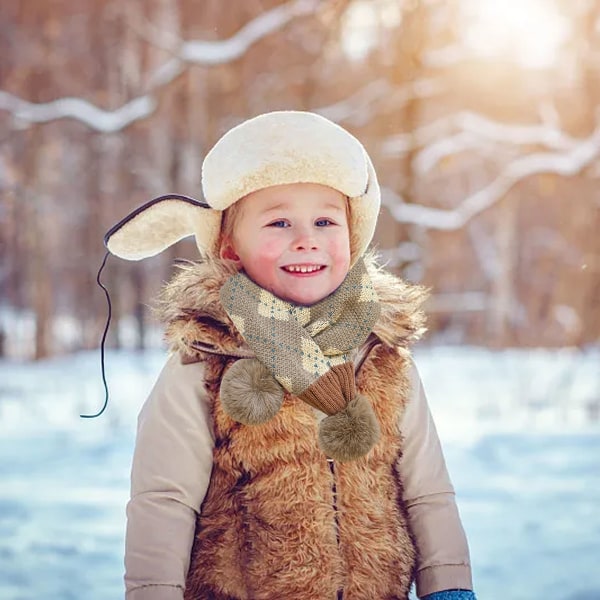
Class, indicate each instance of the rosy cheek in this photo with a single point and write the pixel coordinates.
(265, 260)
(260, 264)
(340, 247)
(270, 250)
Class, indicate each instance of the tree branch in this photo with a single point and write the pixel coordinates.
(355, 108)
(472, 129)
(195, 51)
(217, 52)
(569, 162)
(221, 51)
(105, 121)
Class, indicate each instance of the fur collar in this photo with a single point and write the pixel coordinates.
(195, 321)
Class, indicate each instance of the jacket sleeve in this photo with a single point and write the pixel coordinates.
(443, 552)
(170, 473)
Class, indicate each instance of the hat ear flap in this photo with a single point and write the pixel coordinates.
(364, 211)
(160, 223)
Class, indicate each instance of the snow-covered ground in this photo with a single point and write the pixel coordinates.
(521, 432)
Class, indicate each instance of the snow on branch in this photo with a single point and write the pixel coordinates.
(193, 51)
(222, 51)
(466, 121)
(356, 109)
(405, 252)
(476, 128)
(101, 120)
(472, 128)
(359, 102)
(216, 52)
(566, 163)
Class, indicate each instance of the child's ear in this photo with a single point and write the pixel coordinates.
(227, 251)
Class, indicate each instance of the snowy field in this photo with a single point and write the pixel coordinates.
(521, 432)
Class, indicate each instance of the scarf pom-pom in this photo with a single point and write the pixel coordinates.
(350, 433)
(249, 394)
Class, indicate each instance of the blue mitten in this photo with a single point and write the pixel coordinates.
(451, 595)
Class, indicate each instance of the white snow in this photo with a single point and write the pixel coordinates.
(481, 129)
(222, 51)
(358, 108)
(568, 162)
(520, 429)
(105, 121)
(208, 53)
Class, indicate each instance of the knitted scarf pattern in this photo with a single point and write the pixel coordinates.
(304, 350)
(300, 344)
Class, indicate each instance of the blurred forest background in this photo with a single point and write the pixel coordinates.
(481, 117)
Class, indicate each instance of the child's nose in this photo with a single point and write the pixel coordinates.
(305, 240)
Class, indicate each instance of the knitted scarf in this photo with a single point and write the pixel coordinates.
(305, 348)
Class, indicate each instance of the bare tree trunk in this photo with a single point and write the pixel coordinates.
(406, 69)
(39, 267)
(502, 305)
(40, 280)
(42, 299)
(138, 282)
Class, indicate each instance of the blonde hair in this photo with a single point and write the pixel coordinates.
(228, 221)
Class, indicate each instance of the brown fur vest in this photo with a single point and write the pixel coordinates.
(279, 520)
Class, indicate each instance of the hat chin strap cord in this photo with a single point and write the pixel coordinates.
(113, 230)
(102, 343)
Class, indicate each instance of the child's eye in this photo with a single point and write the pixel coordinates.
(323, 222)
(280, 223)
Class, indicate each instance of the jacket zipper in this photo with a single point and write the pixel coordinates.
(359, 359)
(330, 462)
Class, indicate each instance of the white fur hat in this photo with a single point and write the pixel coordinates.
(272, 149)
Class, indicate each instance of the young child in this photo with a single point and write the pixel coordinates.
(287, 449)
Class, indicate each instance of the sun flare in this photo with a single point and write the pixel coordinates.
(361, 23)
(530, 32)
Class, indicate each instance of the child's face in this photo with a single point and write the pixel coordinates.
(292, 240)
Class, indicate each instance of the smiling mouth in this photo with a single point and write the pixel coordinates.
(303, 268)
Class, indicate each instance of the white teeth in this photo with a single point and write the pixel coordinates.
(302, 268)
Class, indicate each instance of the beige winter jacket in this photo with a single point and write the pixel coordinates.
(172, 467)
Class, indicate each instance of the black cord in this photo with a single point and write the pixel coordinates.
(103, 341)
